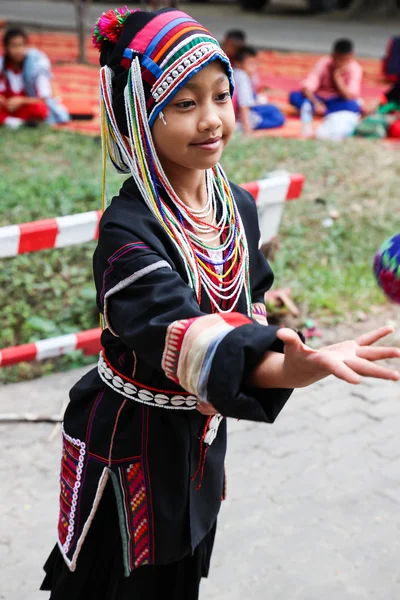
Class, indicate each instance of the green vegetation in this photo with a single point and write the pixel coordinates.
(48, 173)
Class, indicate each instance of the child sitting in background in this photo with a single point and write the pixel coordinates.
(250, 114)
(25, 86)
(334, 84)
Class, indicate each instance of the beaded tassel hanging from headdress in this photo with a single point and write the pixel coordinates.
(136, 154)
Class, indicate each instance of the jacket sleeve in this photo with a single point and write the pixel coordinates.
(155, 313)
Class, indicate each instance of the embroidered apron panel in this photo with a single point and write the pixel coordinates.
(133, 507)
(72, 462)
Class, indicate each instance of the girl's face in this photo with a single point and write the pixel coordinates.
(199, 122)
(16, 49)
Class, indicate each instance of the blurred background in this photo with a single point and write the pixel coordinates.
(320, 153)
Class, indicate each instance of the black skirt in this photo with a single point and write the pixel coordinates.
(99, 572)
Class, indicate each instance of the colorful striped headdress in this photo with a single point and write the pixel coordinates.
(169, 45)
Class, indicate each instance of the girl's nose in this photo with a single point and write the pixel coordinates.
(210, 120)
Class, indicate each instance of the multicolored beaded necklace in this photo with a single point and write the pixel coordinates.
(223, 279)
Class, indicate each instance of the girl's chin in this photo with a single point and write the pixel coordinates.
(204, 165)
(206, 162)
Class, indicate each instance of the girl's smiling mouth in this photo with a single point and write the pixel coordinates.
(211, 144)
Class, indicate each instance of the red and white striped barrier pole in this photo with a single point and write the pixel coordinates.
(270, 195)
(49, 233)
(88, 341)
(287, 186)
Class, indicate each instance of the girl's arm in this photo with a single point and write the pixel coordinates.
(149, 306)
(228, 360)
(301, 366)
(209, 355)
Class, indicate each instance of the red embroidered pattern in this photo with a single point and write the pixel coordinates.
(173, 344)
(259, 313)
(73, 456)
(259, 309)
(219, 323)
(138, 517)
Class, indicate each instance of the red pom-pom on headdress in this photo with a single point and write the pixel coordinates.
(109, 26)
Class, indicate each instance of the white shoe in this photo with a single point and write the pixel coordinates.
(13, 122)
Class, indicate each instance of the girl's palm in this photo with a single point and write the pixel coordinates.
(346, 360)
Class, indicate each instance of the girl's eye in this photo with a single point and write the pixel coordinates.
(185, 104)
(223, 97)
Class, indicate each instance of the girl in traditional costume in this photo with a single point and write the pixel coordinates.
(180, 286)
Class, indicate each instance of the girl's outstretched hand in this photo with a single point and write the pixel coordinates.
(349, 360)
(301, 365)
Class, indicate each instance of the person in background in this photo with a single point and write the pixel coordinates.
(392, 95)
(251, 113)
(334, 84)
(234, 40)
(25, 88)
(156, 4)
(390, 101)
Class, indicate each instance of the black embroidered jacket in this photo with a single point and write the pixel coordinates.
(133, 420)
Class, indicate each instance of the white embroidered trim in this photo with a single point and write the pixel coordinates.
(131, 391)
(181, 65)
(126, 282)
(184, 64)
(82, 451)
(99, 492)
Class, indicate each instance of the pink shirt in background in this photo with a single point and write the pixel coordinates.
(320, 80)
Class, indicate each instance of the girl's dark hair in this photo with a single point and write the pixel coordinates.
(13, 33)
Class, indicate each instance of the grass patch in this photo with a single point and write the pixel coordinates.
(49, 173)
(329, 269)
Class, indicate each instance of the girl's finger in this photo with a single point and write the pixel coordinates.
(287, 335)
(367, 369)
(377, 352)
(339, 369)
(366, 339)
(290, 338)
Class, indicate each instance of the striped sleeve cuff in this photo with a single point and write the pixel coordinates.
(191, 345)
(212, 357)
